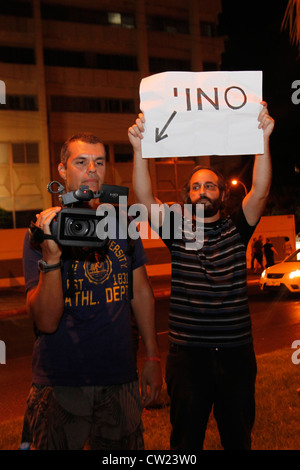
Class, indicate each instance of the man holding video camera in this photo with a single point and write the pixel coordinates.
(85, 385)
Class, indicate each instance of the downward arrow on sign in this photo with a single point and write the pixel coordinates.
(160, 135)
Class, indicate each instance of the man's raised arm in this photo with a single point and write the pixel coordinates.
(141, 177)
(255, 201)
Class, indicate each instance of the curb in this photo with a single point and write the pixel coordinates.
(17, 312)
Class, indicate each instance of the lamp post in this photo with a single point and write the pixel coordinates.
(235, 182)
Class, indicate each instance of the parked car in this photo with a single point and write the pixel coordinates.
(285, 274)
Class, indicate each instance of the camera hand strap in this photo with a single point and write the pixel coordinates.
(37, 235)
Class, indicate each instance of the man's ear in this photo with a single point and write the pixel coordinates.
(62, 171)
(225, 194)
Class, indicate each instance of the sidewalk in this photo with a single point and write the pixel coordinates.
(13, 299)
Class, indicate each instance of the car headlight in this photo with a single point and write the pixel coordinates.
(294, 274)
(263, 274)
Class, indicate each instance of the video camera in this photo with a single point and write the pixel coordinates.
(75, 225)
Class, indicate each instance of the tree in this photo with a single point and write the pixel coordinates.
(291, 21)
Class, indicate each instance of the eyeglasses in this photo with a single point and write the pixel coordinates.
(208, 186)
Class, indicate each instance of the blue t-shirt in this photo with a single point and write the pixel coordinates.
(92, 344)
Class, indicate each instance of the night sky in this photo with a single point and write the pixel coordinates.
(256, 42)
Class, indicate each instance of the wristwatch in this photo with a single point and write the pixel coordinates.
(45, 268)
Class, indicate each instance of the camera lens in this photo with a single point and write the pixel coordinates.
(79, 227)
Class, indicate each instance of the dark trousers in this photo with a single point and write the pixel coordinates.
(200, 379)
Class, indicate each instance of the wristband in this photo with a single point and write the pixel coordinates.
(155, 359)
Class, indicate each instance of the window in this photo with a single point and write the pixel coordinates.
(62, 58)
(210, 66)
(123, 153)
(208, 29)
(21, 103)
(125, 20)
(25, 153)
(87, 16)
(157, 65)
(20, 193)
(17, 55)
(75, 104)
(167, 24)
(12, 8)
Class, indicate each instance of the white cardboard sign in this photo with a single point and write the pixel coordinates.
(201, 113)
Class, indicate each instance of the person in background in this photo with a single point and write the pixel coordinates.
(288, 250)
(253, 253)
(258, 252)
(269, 252)
(211, 361)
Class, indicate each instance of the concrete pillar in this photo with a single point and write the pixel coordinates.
(142, 41)
(42, 100)
(196, 54)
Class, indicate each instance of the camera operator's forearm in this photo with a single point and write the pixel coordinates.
(46, 302)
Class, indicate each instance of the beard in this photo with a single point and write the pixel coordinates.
(211, 206)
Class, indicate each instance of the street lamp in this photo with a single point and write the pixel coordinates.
(235, 182)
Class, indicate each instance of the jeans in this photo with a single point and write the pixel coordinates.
(202, 379)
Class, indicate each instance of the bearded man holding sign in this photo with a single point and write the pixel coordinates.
(211, 361)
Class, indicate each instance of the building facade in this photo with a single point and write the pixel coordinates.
(71, 66)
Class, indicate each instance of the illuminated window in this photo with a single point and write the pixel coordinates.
(74, 14)
(114, 18)
(158, 64)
